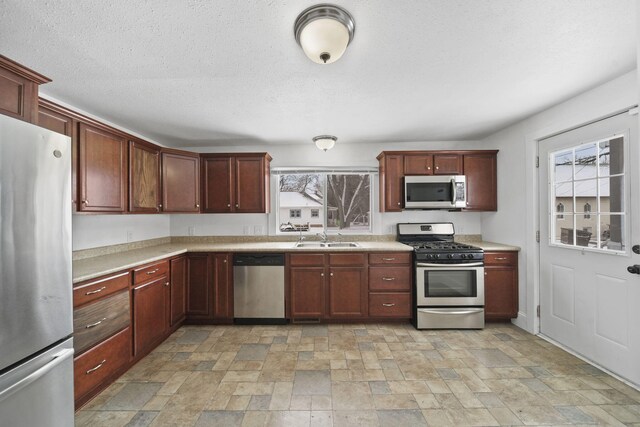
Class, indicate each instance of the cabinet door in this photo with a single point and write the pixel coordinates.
(418, 164)
(144, 178)
(52, 118)
(150, 314)
(217, 184)
(222, 287)
(102, 170)
(178, 271)
(18, 96)
(500, 292)
(348, 292)
(392, 182)
(250, 185)
(199, 298)
(482, 192)
(447, 164)
(307, 292)
(180, 183)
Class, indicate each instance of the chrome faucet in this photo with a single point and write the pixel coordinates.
(322, 236)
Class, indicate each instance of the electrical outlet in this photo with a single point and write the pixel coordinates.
(192, 230)
(257, 230)
(129, 236)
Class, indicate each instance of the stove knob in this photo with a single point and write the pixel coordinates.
(436, 256)
(463, 256)
(428, 256)
(470, 256)
(450, 256)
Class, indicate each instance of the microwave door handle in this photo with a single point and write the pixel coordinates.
(453, 191)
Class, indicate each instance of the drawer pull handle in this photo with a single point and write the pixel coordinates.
(388, 259)
(96, 291)
(153, 271)
(98, 366)
(387, 305)
(93, 325)
(500, 258)
(389, 279)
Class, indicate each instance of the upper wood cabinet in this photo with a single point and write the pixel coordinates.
(482, 181)
(479, 167)
(19, 90)
(236, 183)
(180, 181)
(102, 172)
(144, 177)
(391, 182)
(432, 164)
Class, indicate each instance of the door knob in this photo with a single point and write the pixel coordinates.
(634, 269)
(636, 249)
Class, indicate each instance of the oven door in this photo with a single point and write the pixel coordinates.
(450, 284)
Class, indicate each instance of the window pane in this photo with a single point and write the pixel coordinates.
(587, 233)
(348, 202)
(612, 232)
(585, 161)
(564, 229)
(563, 201)
(611, 157)
(300, 194)
(585, 191)
(563, 170)
(612, 194)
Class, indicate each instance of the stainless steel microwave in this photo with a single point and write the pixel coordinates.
(435, 192)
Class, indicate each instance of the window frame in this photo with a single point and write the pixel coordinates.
(325, 208)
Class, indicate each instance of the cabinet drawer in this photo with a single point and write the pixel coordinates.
(501, 258)
(149, 272)
(346, 259)
(390, 258)
(94, 322)
(390, 278)
(94, 289)
(98, 364)
(390, 304)
(306, 259)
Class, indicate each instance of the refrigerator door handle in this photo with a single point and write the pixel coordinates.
(38, 373)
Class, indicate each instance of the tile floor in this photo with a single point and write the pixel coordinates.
(345, 375)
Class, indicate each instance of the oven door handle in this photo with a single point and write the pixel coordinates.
(472, 311)
(471, 264)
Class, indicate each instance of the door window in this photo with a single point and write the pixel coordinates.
(588, 195)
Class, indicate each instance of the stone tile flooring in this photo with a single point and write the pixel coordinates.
(353, 374)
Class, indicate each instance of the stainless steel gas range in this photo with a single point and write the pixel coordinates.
(449, 277)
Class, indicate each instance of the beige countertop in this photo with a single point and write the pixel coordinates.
(491, 246)
(89, 268)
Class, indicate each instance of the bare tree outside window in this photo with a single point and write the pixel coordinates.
(348, 202)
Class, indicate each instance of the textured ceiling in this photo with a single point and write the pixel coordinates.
(198, 73)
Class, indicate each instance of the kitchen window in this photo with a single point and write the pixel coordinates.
(335, 201)
(588, 192)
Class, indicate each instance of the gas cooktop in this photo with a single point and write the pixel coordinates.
(433, 242)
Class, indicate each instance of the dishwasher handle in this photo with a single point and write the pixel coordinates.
(251, 259)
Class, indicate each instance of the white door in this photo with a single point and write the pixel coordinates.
(589, 221)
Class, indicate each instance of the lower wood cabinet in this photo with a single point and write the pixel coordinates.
(307, 292)
(390, 285)
(178, 285)
(501, 285)
(209, 288)
(150, 314)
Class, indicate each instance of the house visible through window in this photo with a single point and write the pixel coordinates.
(324, 201)
(588, 195)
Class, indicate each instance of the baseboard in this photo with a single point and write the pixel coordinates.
(521, 321)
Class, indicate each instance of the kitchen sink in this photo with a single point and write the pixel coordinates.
(342, 245)
(327, 245)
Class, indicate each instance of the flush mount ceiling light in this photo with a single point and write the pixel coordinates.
(325, 142)
(324, 31)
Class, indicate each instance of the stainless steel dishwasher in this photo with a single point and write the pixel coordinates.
(258, 288)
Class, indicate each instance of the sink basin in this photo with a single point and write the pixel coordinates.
(342, 245)
(327, 245)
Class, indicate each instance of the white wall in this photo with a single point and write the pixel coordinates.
(515, 222)
(343, 154)
(92, 231)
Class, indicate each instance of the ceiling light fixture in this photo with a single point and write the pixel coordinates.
(324, 31)
(325, 142)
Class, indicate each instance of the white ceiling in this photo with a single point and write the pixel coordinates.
(198, 73)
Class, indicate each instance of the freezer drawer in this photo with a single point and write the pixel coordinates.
(39, 392)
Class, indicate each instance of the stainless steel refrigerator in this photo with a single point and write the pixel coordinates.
(36, 317)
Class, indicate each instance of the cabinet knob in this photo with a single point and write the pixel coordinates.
(485, 273)
(321, 274)
(237, 205)
(225, 261)
(428, 168)
(398, 203)
(197, 206)
(437, 167)
(331, 274)
(228, 205)
(168, 284)
(160, 206)
(85, 202)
